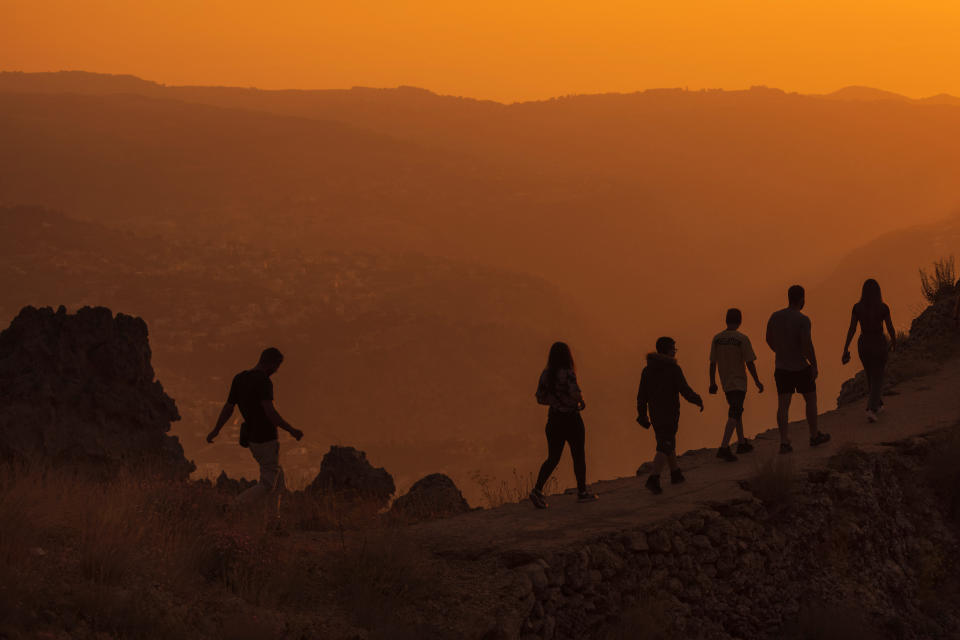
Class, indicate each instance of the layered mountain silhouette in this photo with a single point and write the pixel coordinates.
(606, 220)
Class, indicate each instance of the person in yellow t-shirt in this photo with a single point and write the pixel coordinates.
(732, 354)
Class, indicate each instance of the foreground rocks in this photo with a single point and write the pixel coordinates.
(79, 388)
(346, 473)
(866, 547)
(433, 496)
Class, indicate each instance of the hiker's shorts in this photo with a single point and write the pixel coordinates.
(666, 435)
(790, 382)
(735, 399)
(267, 454)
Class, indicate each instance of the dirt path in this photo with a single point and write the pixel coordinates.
(516, 531)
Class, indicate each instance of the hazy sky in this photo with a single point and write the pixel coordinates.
(501, 49)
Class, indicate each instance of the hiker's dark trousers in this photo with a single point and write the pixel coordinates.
(564, 426)
(873, 355)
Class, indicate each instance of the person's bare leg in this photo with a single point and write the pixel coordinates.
(728, 432)
(783, 416)
(740, 438)
(659, 461)
(672, 461)
(811, 400)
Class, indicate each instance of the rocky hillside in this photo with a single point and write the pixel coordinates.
(80, 388)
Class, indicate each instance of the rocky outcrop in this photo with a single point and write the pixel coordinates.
(346, 473)
(864, 547)
(933, 337)
(80, 388)
(232, 486)
(433, 496)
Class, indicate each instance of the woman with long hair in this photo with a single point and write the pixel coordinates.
(871, 313)
(558, 388)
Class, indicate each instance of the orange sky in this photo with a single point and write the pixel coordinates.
(501, 49)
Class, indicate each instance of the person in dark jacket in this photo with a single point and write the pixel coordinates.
(558, 388)
(661, 385)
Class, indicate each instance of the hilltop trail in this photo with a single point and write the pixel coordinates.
(920, 405)
(721, 563)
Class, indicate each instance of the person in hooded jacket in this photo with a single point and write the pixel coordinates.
(658, 402)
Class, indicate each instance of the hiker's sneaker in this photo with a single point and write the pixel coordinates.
(724, 453)
(880, 409)
(538, 499)
(653, 483)
(676, 477)
(871, 416)
(786, 447)
(819, 439)
(744, 447)
(586, 496)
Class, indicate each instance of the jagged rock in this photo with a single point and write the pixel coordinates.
(79, 388)
(346, 473)
(233, 486)
(433, 496)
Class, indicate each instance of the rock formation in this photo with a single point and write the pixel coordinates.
(232, 486)
(345, 472)
(434, 496)
(79, 388)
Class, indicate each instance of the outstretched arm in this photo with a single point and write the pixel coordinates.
(225, 414)
(893, 332)
(850, 332)
(278, 420)
(752, 368)
(689, 394)
(808, 351)
(642, 401)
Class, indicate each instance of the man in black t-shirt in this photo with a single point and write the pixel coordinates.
(252, 391)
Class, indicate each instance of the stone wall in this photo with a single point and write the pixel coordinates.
(865, 540)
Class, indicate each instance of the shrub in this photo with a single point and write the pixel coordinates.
(941, 282)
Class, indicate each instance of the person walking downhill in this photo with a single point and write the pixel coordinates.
(732, 354)
(558, 388)
(871, 313)
(252, 390)
(789, 336)
(661, 385)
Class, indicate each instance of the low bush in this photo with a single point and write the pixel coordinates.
(941, 281)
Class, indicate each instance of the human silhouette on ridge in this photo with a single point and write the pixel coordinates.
(871, 313)
(558, 388)
(789, 336)
(252, 391)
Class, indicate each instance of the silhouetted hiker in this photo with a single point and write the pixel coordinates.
(661, 385)
(871, 314)
(789, 335)
(252, 391)
(558, 388)
(732, 354)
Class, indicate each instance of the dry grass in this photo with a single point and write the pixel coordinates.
(773, 480)
(142, 557)
(497, 493)
(941, 281)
